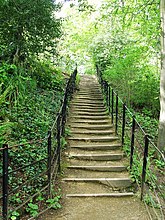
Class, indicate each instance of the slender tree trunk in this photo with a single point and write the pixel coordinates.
(161, 137)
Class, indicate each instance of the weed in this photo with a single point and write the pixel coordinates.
(32, 209)
(14, 215)
(54, 203)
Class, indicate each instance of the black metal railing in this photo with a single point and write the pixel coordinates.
(146, 160)
(50, 161)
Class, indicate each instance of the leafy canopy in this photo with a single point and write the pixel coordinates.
(27, 28)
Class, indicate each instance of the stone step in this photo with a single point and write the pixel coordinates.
(98, 147)
(79, 162)
(90, 88)
(100, 168)
(91, 132)
(87, 113)
(94, 122)
(92, 127)
(83, 173)
(84, 98)
(76, 187)
(94, 139)
(88, 110)
(92, 95)
(86, 105)
(111, 182)
(95, 117)
(101, 157)
(88, 100)
(117, 194)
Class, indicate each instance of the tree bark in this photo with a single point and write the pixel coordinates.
(161, 136)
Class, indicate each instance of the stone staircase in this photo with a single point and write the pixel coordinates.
(95, 163)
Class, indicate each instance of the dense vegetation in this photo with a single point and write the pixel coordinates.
(28, 35)
(31, 90)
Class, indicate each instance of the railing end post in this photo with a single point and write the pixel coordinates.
(5, 181)
(123, 124)
(132, 141)
(146, 144)
(49, 161)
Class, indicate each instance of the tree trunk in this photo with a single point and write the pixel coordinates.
(161, 136)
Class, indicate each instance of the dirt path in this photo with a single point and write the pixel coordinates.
(95, 184)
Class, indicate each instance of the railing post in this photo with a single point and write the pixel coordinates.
(109, 98)
(107, 94)
(116, 125)
(59, 142)
(5, 181)
(112, 106)
(144, 164)
(63, 118)
(49, 161)
(123, 124)
(132, 141)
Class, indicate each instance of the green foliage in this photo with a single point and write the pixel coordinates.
(29, 107)
(47, 76)
(30, 27)
(15, 215)
(63, 142)
(54, 203)
(120, 37)
(149, 200)
(148, 123)
(32, 209)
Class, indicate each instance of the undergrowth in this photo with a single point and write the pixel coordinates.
(30, 98)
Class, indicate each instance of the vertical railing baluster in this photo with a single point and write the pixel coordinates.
(112, 106)
(49, 161)
(58, 142)
(144, 164)
(107, 93)
(123, 123)
(5, 181)
(132, 141)
(109, 99)
(116, 123)
(63, 116)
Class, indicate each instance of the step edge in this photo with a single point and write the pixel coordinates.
(101, 195)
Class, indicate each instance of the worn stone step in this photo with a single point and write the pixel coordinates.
(92, 127)
(96, 122)
(94, 139)
(95, 117)
(93, 96)
(88, 97)
(83, 173)
(105, 156)
(91, 87)
(86, 105)
(99, 168)
(88, 109)
(87, 113)
(91, 132)
(88, 100)
(98, 147)
(76, 161)
(80, 187)
(117, 194)
(111, 182)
